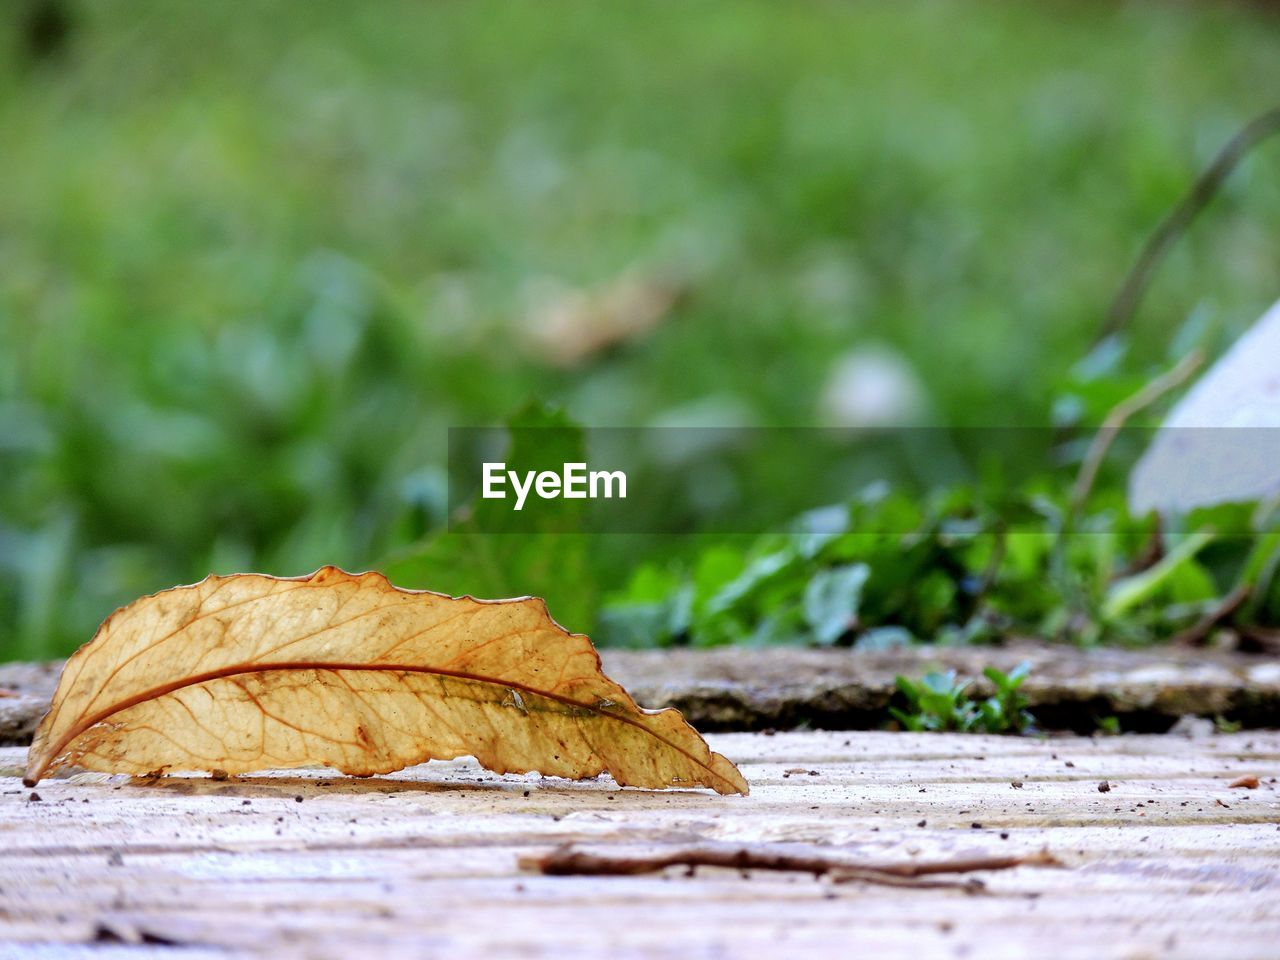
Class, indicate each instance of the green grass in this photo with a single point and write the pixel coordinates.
(252, 266)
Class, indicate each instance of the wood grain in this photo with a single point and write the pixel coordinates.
(1170, 862)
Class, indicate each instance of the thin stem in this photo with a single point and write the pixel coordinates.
(1120, 415)
(1223, 609)
(1175, 224)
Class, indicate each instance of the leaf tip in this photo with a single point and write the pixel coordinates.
(734, 777)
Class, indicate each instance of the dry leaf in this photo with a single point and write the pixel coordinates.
(575, 325)
(252, 672)
(1249, 782)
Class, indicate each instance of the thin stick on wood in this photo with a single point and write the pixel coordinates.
(968, 885)
(1119, 416)
(568, 860)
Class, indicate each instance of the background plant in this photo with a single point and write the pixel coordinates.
(250, 277)
(940, 702)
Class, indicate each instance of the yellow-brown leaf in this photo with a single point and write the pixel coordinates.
(251, 672)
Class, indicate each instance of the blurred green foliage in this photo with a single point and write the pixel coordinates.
(252, 266)
(953, 570)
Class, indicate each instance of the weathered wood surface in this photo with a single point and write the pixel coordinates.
(1171, 862)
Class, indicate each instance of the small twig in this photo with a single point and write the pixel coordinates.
(1152, 551)
(969, 885)
(1118, 417)
(567, 860)
(1264, 637)
(1222, 609)
(1180, 218)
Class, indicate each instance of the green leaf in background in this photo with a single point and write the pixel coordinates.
(884, 638)
(1127, 593)
(831, 600)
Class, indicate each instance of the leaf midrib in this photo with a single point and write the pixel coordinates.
(240, 670)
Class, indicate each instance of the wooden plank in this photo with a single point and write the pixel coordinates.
(1170, 861)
